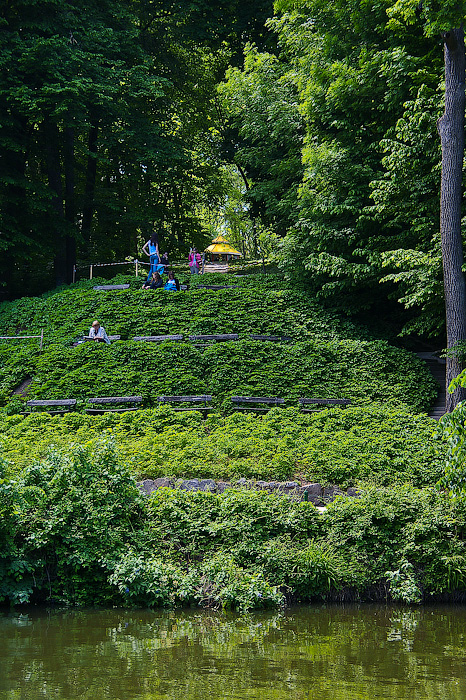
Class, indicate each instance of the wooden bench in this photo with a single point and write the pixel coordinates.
(110, 401)
(271, 338)
(202, 340)
(157, 338)
(270, 400)
(67, 405)
(196, 400)
(216, 286)
(321, 402)
(87, 339)
(109, 287)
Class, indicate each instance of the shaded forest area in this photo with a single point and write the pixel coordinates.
(305, 129)
(109, 127)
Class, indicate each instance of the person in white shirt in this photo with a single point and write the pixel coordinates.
(97, 332)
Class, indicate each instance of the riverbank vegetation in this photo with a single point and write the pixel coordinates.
(77, 529)
(307, 135)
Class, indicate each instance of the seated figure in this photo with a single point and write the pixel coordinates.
(97, 332)
(155, 282)
(172, 284)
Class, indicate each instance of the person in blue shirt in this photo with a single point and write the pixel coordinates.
(151, 248)
(172, 284)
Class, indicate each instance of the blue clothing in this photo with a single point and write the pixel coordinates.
(170, 286)
(152, 248)
(154, 266)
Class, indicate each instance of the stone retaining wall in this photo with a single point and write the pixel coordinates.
(315, 493)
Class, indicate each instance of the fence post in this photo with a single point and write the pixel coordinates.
(74, 274)
(203, 262)
(137, 267)
(41, 338)
(90, 272)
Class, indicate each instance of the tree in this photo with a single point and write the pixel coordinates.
(447, 20)
(108, 127)
(353, 77)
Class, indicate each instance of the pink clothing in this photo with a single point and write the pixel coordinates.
(195, 259)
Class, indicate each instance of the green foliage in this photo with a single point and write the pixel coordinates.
(397, 526)
(146, 581)
(110, 127)
(260, 105)
(76, 529)
(361, 371)
(78, 511)
(362, 206)
(232, 587)
(333, 446)
(453, 433)
(323, 361)
(261, 304)
(15, 580)
(403, 585)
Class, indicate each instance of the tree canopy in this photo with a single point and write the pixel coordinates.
(306, 129)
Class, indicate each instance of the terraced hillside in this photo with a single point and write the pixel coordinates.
(381, 436)
(75, 528)
(326, 356)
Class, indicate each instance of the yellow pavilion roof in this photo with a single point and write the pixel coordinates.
(222, 248)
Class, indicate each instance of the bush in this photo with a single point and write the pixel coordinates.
(77, 512)
(76, 529)
(332, 446)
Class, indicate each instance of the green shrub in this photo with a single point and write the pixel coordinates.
(333, 446)
(405, 538)
(146, 581)
(76, 529)
(78, 510)
(231, 587)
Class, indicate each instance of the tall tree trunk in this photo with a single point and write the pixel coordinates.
(451, 130)
(70, 206)
(89, 193)
(54, 176)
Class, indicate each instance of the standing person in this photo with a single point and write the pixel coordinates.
(97, 332)
(194, 261)
(151, 248)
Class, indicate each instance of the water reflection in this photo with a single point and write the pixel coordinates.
(338, 653)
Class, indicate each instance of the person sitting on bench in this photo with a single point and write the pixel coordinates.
(155, 282)
(97, 332)
(172, 284)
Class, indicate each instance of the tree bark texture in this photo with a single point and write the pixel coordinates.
(451, 131)
(54, 176)
(89, 194)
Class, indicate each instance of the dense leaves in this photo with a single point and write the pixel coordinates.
(86, 535)
(333, 446)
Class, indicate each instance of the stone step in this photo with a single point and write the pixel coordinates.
(437, 368)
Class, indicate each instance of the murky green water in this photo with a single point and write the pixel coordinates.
(337, 653)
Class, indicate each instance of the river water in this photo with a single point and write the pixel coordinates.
(306, 653)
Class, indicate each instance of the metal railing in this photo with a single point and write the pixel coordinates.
(24, 337)
(91, 267)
